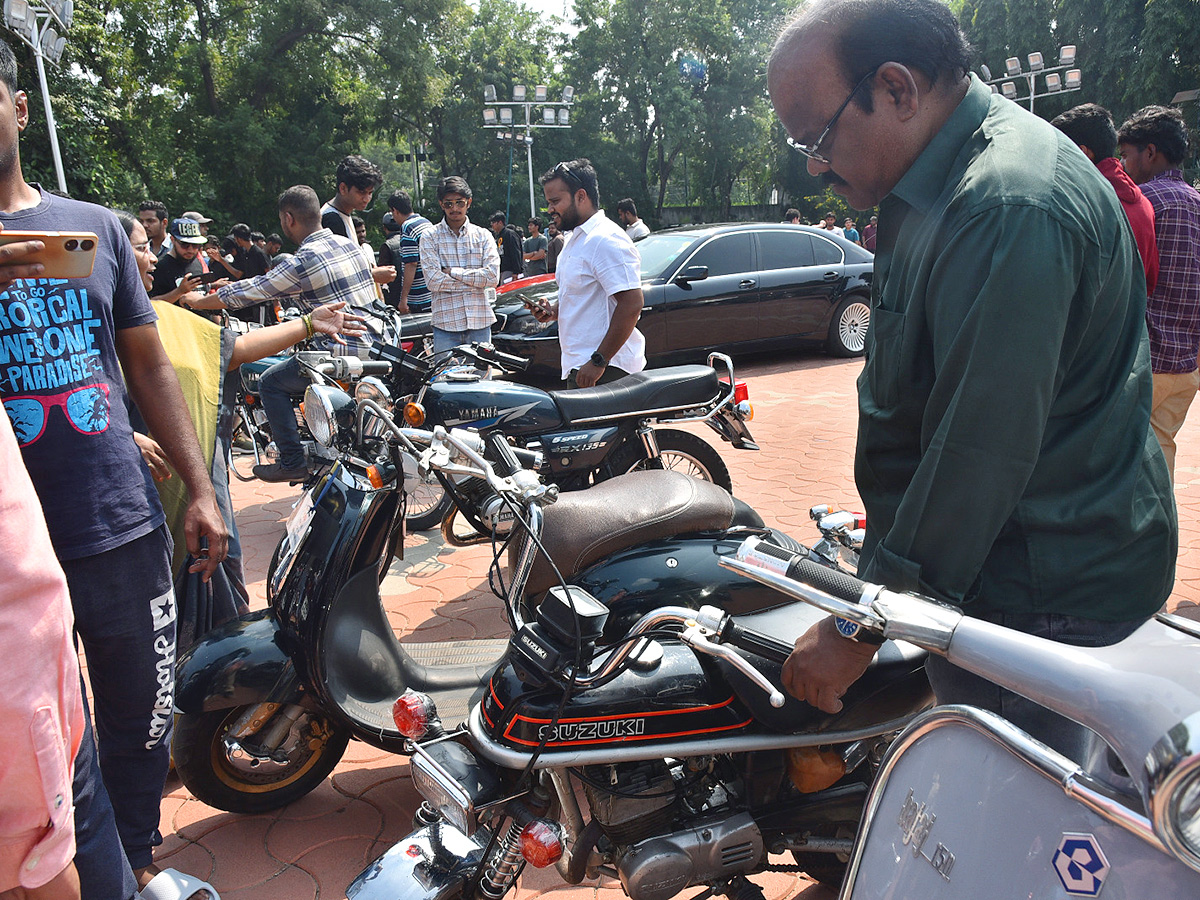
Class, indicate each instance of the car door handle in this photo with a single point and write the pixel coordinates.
(746, 283)
(832, 276)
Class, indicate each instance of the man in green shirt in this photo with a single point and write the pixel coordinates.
(1004, 455)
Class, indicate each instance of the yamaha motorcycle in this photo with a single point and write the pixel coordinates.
(268, 703)
(585, 436)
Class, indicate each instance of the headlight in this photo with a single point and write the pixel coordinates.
(371, 388)
(327, 411)
(435, 780)
(1173, 767)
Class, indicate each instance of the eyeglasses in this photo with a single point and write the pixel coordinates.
(452, 204)
(142, 247)
(812, 151)
(86, 409)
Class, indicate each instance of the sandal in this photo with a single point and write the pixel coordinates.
(171, 884)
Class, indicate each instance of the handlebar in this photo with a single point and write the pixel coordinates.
(488, 353)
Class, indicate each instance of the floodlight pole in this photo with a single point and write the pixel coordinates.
(51, 126)
(492, 104)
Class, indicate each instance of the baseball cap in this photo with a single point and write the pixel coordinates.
(203, 220)
(188, 231)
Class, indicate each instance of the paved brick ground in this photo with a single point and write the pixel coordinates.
(805, 423)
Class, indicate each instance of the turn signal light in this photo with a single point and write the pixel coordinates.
(380, 474)
(540, 844)
(414, 414)
(411, 713)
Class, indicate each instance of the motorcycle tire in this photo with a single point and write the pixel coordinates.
(206, 770)
(426, 506)
(681, 451)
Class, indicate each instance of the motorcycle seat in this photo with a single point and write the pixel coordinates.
(653, 390)
(894, 685)
(366, 668)
(583, 526)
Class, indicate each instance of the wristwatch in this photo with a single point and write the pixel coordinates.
(598, 360)
(851, 630)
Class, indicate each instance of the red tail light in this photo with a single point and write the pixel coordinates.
(411, 713)
(741, 392)
(860, 520)
(540, 844)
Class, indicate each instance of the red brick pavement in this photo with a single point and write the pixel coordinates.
(805, 423)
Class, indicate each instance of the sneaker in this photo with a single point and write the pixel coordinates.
(278, 472)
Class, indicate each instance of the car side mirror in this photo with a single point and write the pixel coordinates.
(692, 273)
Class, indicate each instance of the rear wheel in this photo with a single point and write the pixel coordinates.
(426, 505)
(245, 780)
(848, 329)
(682, 451)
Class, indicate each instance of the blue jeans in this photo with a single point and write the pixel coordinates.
(278, 386)
(448, 340)
(954, 685)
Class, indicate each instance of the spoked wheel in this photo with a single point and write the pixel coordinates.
(426, 505)
(240, 777)
(682, 451)
(848, 330)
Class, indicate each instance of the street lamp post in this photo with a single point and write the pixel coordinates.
(1060, 79)
(33, 22)
(512, 138)
(498, 114)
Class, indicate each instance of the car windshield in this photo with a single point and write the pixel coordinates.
(659, 252)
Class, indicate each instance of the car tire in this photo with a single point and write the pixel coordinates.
(848, 328)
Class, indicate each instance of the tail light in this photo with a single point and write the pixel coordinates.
(860, 520)
(741, 392)
(541, 844)
(412, 713)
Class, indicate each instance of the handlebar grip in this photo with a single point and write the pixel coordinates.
(753, 642)
(508, 360)
(529, 459)
(831, 581)
(506, 462)
(376, 367)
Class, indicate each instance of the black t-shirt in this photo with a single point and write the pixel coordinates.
(253, 261)
(169, 270)
(512, 255)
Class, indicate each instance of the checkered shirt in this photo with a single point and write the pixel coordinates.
(462, 271)
(1173, 309)
(326, 268)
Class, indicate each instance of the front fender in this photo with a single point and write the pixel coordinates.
(238, 663)
(432, 863)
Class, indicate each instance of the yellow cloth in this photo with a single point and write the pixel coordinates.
(193, 345)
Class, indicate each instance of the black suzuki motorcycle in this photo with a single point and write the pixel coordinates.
(268, 703)
(585, 436)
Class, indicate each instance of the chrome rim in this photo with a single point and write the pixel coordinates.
(852, 326)
(678, 461)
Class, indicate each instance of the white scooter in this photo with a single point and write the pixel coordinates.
(967, 805)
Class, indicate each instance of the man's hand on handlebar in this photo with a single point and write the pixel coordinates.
(823, 665)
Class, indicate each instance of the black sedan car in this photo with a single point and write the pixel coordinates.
(737, 287)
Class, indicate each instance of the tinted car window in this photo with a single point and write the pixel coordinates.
(658, 252)
(784, 250)
(726, 255)
(825, 252)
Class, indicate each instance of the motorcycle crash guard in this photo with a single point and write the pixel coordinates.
(240, 662)
(432, 863)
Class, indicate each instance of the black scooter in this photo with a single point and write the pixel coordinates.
(268, 703)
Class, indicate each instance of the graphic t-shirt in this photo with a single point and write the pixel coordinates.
(63, 390)
(169, 270)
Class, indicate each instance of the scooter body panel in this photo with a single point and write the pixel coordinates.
(967, 806)
(238, 663)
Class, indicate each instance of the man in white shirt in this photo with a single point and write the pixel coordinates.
(600, 283)
(627, 214)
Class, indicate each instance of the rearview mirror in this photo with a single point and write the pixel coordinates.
(692, 273)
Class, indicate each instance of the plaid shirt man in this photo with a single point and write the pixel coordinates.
(326, 268)
(462, 271)
(1173, 309)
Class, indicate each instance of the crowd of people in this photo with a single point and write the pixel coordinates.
(1057, 262)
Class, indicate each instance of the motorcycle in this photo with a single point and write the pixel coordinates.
(589, 435)
(967, 805)
(268, 703)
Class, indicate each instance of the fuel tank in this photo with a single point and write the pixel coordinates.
(517, 409)
(670, 701)
(676, 571)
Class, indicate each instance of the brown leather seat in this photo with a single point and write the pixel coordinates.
(583, 526)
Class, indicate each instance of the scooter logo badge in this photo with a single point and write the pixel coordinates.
(1080, 865)
(916, 821)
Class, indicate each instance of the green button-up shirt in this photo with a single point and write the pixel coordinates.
(1004, 454)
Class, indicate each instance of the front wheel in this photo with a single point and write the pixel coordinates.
(247, 779)
(848, 329)
(682, 451)
(426, 505)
